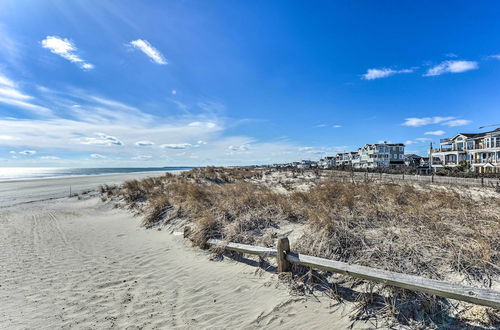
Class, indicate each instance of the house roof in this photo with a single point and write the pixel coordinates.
(473, 135)
(413, 156)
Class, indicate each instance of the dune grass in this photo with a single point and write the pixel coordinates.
(419, 230)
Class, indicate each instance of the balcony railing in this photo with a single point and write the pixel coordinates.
(446, 149)
(485, 160)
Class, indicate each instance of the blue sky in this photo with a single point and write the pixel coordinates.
(159, 83)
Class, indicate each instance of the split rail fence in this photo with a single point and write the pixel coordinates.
(285, 259)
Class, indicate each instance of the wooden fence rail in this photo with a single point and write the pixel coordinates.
(285, 258)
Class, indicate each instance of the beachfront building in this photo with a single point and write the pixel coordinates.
(327, 162)
(416, 161)
(480, 152)
(306, 164)
(380, 155)
(346, 158)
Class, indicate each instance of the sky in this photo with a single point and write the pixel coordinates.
(95, 83)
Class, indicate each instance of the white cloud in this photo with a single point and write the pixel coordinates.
(69, 126)
(25, 105)
(305, 148)
(408, 142)
(97, 156)
(8, 138)
(9, 94)
(457, 122)
(439, 132)
(27, 152)
(336, 126)
(321, 125)
(66, 49)
(12, 152)
(49, 158)
(142, 157)
(372, 74)
(175, 146)
(417, 122)
(102, 140)
(13, 93)
(202, 124)
(87, 66)
(242, 147)
(149, 50)
(423, 139)
(451, 67)
(144, 143)
(496, 57)
(6, 81)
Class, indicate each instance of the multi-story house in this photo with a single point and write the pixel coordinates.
(479, 151)
(346, 158)
(327, 162)
(306, 164)
(380, 155)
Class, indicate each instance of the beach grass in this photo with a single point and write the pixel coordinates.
(447, 233)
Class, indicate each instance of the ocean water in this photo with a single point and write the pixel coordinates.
(16, 173)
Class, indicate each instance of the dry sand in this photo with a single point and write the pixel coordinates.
(70, 263)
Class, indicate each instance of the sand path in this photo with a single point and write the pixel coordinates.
(68, 263)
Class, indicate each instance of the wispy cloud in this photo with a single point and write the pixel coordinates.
(142, 157)
(149, 50)
(417, 122)
(336, 126)
(439, 132)
(144, 143)
(176, 146)
(457, 122)
(97, 156)
(495, 57)
(11, 95)
(8, 138)
(202, 124)
(372, 74)
(49, 158)
(66, 49)
(451, 67)
(27, 152)
(446, 121)
(242, 147)
(25, 105)
(6, 81)
(102, 140)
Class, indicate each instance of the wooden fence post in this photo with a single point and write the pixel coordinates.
(283, 247)
(482, 181)
(187, 231)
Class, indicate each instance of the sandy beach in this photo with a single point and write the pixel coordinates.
(80, 263)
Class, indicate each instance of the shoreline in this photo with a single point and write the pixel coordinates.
(91, 175)
(13, 192)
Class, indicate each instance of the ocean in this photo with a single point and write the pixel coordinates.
(18, 173)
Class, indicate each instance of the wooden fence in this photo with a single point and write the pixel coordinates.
(285, 258)
(477, 182)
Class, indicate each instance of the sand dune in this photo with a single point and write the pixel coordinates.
(70, 263)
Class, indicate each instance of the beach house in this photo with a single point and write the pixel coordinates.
(380, 155)
(479, 152)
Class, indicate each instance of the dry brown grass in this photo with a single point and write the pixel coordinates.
(436, 233)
